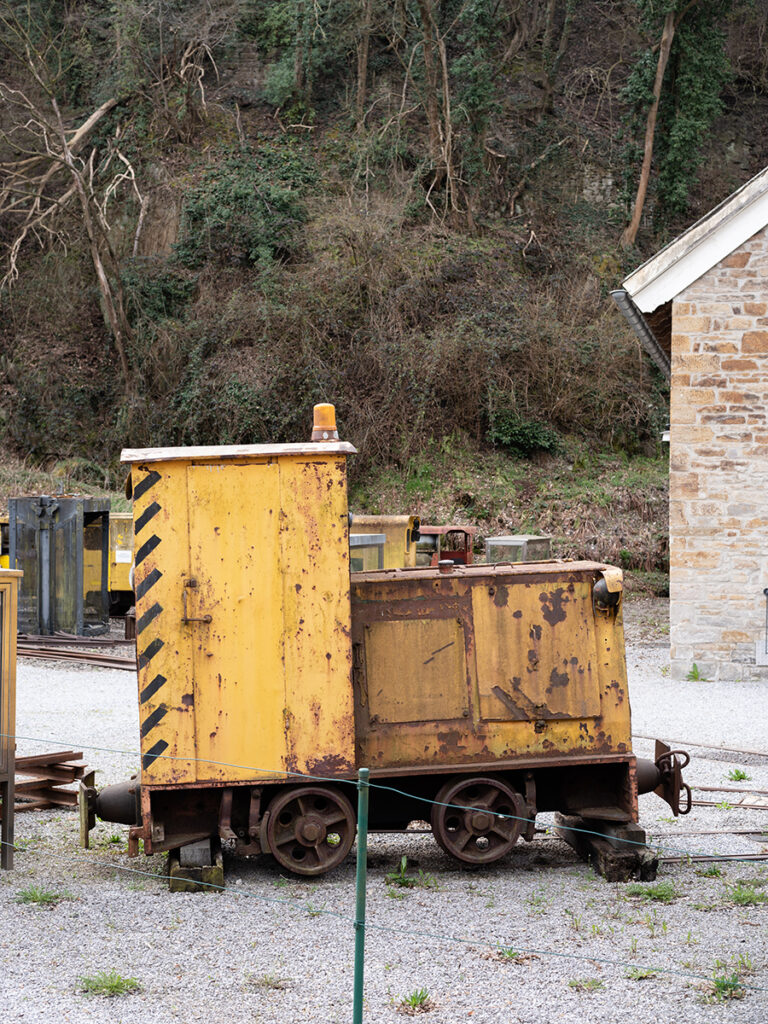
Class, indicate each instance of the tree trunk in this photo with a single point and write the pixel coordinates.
(668, 34)
(117, 321)
(432, 102)
(363, 46)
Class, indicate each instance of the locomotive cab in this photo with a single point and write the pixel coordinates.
(268, 674)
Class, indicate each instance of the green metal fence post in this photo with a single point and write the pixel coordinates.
(362, 871)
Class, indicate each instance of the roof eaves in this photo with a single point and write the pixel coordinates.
(701, 247)
(638, 323)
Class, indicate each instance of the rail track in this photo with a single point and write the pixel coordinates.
(81, 649)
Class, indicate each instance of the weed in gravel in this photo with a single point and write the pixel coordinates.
(313, 911)
(694, 675)
(741, 963)
(654, 925)
(537, 901)
(272, 982)
(614, 911)
(711, 871)
(574, 920)
(400, 878)
(661, 892)
(510, 955)
(738, 775)
(416, 1002)
(42, 897)
(640, 973)
(109, 984)
(111, 841)
(586, 984)
(754, 883)
(746, 895)
(723, 987)
(724, 806)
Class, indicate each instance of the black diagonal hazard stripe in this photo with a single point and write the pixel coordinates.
(146, 583)
(149, 513)
(147, 548)
(151, 721)
(149, 652)
(145, 483)
(144, 620)
(151, 688)
(153, 753)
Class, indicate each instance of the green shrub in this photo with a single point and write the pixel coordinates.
(520, 436)
(247, 209)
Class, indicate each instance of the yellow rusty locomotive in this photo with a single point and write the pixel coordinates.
(268, 673)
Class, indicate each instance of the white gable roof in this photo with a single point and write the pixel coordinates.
(701, 247)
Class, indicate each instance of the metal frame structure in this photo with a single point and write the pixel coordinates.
(61, 544)
(9, 583)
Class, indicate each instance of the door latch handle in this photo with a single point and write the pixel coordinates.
(191, 584)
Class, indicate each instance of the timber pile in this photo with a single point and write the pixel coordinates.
(39, 780)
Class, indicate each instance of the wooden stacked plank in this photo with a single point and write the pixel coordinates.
(40, 778)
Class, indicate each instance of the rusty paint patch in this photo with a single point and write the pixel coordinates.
(552, 605)
(188, 700)
(450, 741)
(501, 597)
(330, 765)
(557, 679)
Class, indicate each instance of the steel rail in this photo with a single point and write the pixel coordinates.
(84, 657)
(707, 746)
(734, 807)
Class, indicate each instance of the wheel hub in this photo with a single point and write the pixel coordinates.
(479, 822)
(310, 830)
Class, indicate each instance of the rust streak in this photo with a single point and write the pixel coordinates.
(439, 649)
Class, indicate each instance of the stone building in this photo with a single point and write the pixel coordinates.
(700, 307)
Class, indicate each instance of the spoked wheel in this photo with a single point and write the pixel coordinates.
(477, 835)
(309, 830)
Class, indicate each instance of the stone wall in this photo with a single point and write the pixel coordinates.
(719, 469)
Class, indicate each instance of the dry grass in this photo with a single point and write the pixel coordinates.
(19, 477)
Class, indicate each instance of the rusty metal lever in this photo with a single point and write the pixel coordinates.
(191, 583)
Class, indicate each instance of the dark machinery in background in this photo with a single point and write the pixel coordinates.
(61, 544)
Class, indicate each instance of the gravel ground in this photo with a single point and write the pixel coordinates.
(277, 950)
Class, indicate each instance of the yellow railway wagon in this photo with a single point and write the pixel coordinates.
(268, 674)
(9, 584)
(4, 541)
(120, 559)
(401, 532)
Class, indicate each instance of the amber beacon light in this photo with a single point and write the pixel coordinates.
(324, 428)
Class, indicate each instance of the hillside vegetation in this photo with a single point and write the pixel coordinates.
(213, 216)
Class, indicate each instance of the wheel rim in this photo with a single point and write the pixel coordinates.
(310, 830)
(477, 835)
